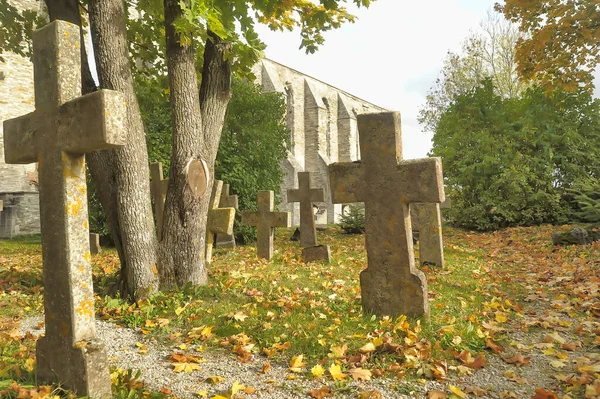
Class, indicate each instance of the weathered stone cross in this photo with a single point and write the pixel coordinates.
(63, 127)
(391, 285)
(227, 201)
(158, 188)
(265, 221)
(306, 196)
(219, 221)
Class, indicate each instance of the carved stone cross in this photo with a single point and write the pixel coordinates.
(265, 221)
(57, 134)
(391, 284)
(158, 189)
(227, 201)
(306, 196)
(219, 221)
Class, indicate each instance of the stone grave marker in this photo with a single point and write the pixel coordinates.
(306, 195)
(227, 201)
(158, 188)
(95, 248)
(431, 249)
(391, 284)
(57, 134)
(265, 220)
(219, 221)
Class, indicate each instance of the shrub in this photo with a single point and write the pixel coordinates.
(353, 221)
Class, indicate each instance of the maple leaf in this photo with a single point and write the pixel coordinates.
(236, 387)
(518, 360)
(374, 394)
(367, 348)
(435, 394)
(336, 372)
(317, 371)
(476, 391)
(493, 346)
(185, 367)
(360, 374)
(321, 393)
(473, 363)
(266, 367)
(296, 364)
(338, 351)
(543, 394)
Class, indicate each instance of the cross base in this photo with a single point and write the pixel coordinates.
(225, 241)
(84, 369)
(403, 294)
(316, 253)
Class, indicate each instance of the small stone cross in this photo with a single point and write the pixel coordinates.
(63, 127)
(306, 196)
(227, 201)
(219, 221)
(431, 249)
(265, 221)
(158, 188)
(391, 284)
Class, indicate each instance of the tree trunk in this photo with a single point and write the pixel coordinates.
(122, 175)
(197, 124)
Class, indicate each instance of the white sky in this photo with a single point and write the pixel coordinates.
(391, 56)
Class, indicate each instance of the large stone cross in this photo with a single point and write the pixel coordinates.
(391, 284)
(227, 201)
(158, 189)
(57, 134)
(306, 196)
(219, 220)
(265, 221)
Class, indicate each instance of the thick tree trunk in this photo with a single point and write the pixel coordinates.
(122, 175)
(197, 123)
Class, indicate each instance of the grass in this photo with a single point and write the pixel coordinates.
(285, 308)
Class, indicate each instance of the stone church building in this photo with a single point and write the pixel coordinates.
(322, 125)
(320, 117)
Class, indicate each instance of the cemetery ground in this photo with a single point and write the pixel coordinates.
(511, 317)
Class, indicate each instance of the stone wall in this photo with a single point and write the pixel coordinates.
(323, 130)
(16, 98)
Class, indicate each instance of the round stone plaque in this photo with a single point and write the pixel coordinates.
(197, 177)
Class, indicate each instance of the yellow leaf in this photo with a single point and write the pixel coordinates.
(236, 387)
(297, 363)
(202, 393)
(185, 367)
(457, 391)
(336, 372)
(368, 348)
(30, 365)
(317, 371)
(215, 379)
(338, 351)
(501, 317)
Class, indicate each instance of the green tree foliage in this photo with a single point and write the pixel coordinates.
(586, 201)
(488, 52)
(353, 221)
(510, 161)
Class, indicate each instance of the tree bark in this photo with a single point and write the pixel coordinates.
(197, 123)
(122, 175)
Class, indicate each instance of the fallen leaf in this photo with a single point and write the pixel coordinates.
(297, 363)
(360, 374)
(215, 379)
(517, 360)
(317, 371)
(457, 391)
(336, 372)
(543, 394)
(374, 394)
(435, 394)
(323, 392)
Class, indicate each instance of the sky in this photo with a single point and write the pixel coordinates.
(390, 56)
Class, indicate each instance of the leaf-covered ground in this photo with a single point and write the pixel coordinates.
(511, 317)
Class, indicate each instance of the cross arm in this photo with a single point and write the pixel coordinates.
(92, 122)
(347, 181)
(250, 218)
(317, 195)
(280, 219)
(293, 195)
(221, 220)
(422, 180)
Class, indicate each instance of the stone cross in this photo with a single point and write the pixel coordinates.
(265, 221)
(95, 248)
(63, 127)
(431, 249)
(158, 188)
(391, 284)
(219, 220)
(227, 201)
(306, 196)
